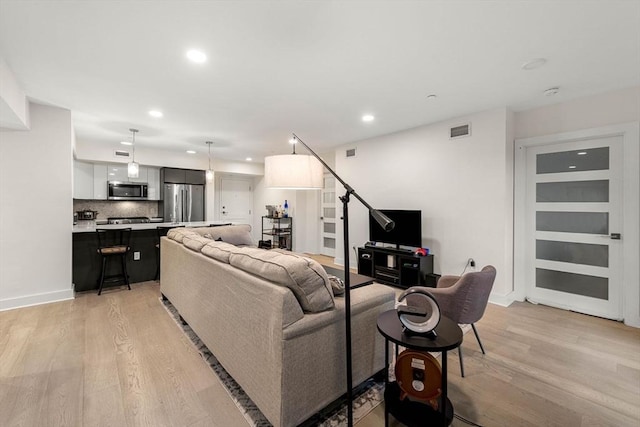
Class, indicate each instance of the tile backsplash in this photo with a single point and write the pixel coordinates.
(113, 208)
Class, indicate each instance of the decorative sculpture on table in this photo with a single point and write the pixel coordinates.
(422, 315)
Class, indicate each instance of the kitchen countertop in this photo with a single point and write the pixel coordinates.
(90, 227)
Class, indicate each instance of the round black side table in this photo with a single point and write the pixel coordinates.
(411, 413)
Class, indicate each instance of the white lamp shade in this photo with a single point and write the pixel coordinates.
(293, 171)
(133, 169)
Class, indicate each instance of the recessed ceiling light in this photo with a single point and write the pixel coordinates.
(367, 118)
(115, 169)
(155, 113)
(191, 152)
(248, 159)
(581, 153)
(125, 142)
(551, 91)
(112, 174)
(196, 56)
(432, 96)
(534, 63)
(572, 167)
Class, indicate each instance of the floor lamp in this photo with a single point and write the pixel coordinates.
(296, 171)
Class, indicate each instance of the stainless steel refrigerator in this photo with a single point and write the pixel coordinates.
(183, 202)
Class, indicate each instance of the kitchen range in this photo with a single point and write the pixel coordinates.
(129, 220)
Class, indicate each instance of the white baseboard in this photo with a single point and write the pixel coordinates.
(36, 299)
(632, 321)
(502, 300)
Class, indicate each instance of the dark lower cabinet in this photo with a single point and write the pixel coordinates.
(87, 262)
(396, 267)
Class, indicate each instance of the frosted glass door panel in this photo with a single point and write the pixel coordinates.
(576, 253)
(578, 284)
(573, 191)
(573, 161)
(573, 222)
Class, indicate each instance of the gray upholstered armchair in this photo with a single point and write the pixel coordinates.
(464, 299)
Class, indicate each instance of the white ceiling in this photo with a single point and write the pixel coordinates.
(313, 68)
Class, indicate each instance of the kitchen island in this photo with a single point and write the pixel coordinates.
(87, 263)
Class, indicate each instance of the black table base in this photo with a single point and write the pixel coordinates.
(413, 413)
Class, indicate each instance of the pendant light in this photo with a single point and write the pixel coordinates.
(209, 173)
(133, 169)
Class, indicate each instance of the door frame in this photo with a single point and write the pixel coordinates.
(630, 133)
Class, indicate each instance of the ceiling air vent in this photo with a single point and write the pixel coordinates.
(460, 131)
(351, 152)
(121, 153)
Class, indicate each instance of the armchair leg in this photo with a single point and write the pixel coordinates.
(461, 363)
(475, 331)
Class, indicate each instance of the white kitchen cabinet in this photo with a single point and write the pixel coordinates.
(142, 175)
(117, 172)
(82, 180)
(100, 181)
(153, 175)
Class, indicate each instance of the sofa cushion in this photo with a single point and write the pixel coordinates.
(239, 235)
(305, 277)
(194, 241)
(219, 250)
(178, 234)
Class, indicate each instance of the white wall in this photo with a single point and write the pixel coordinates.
(621, 106)
(14, 107)
(460, 185)
(36, 210)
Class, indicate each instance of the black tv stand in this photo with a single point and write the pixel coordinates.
(397, 267)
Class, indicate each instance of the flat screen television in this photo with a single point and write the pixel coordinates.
(407, 232)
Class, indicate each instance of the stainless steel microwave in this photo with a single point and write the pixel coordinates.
(127, 190)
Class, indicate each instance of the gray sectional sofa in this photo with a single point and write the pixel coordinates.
(271, 319)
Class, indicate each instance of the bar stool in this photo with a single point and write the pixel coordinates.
(162, 231)
(113, 243)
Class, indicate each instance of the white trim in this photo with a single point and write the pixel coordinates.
(503, 300)
(36, 299)
(630, 133)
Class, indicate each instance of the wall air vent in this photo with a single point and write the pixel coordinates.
(460, 131)
(121, 153)
(351, 152)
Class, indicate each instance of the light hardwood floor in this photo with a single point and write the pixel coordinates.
(120, 360)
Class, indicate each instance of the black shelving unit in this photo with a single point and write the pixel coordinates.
(396, 267)
(279, 231)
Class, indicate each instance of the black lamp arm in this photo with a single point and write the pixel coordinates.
(385, 222)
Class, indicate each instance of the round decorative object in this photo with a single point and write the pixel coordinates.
(419, 376)
(422, 315)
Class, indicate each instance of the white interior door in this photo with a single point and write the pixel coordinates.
(236, 200)
(328, 217)
(573, 251)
